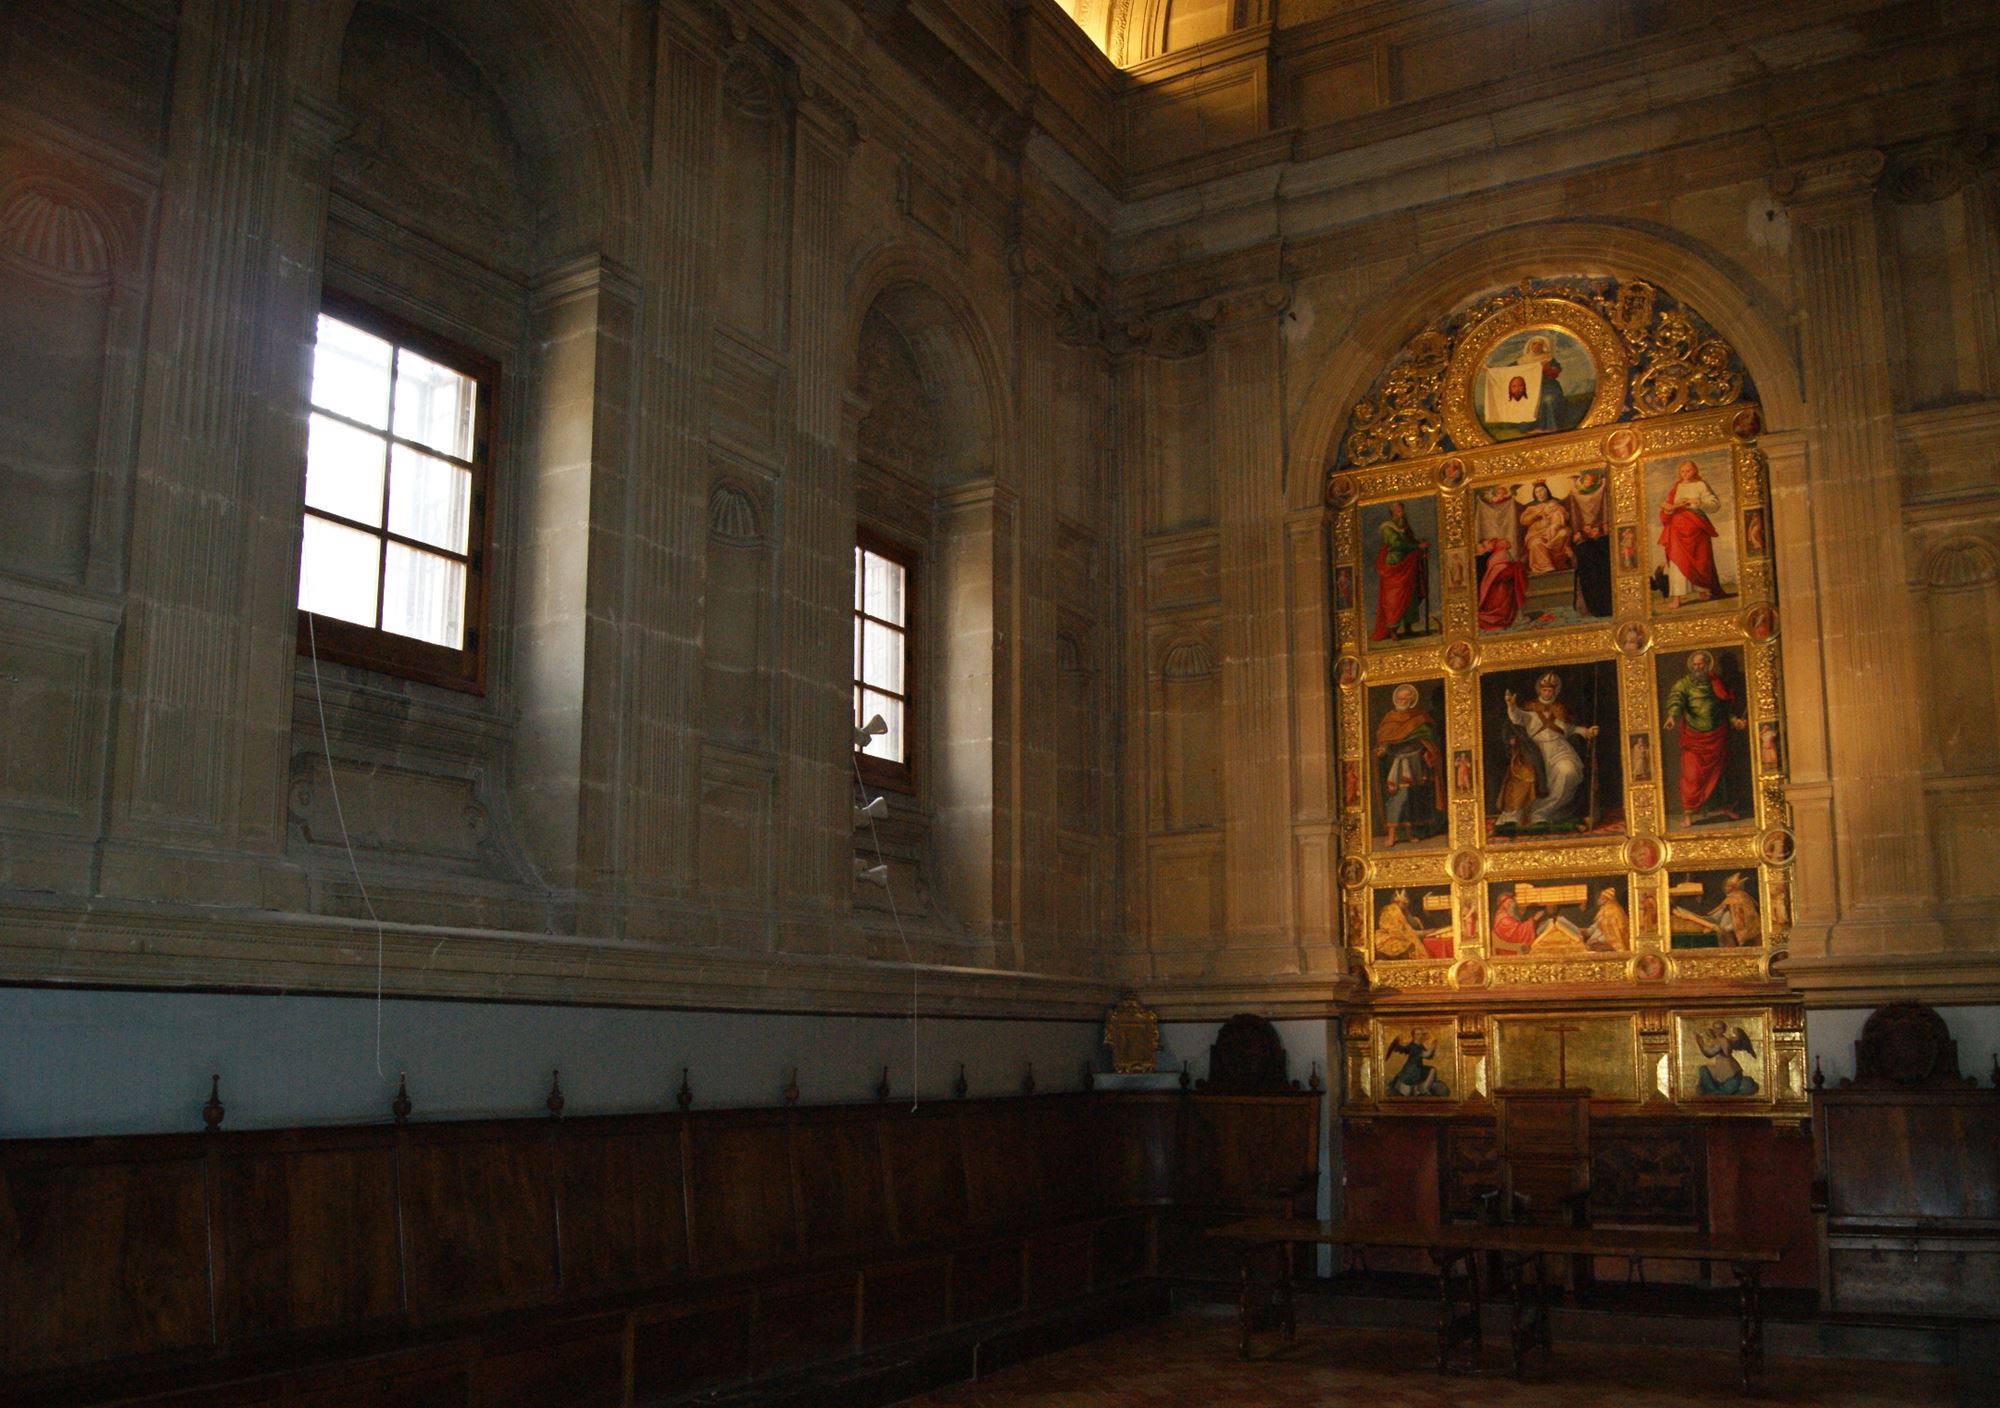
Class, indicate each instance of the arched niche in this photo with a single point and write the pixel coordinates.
(928, 461)
(480, 186)
(1344, 362)
(550, 72)
(1560, 724)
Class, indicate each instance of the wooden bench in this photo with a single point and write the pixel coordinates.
(1454, 1250)
(608, 1260)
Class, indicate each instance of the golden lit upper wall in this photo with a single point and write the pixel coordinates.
(1132, 31)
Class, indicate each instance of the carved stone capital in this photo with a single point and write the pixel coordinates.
(1829, 180)
(1932, 171)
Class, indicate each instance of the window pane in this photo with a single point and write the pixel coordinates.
(857, 652)
(423, 595)
(351, 373)
(337, 568)
(884, 588)
(887, 745)
(434, 405)
(344, 470)
(882, 658)
(429, 499)
(859, 573)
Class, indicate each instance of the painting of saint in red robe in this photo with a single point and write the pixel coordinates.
(1400, 572)
(1406, 731)
(1693, 499)
(1704, 738)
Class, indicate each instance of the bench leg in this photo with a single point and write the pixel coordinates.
(1456, 1326)
(1530, 1295)
(1287, 1266)
(1750, 1299)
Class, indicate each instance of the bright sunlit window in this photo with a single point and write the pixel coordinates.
(881, 660)
(390, 559)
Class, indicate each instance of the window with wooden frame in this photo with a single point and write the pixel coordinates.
(883, 582)
(392, 553)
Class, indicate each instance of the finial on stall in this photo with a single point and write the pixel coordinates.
(959, 1087)
(792, 1087)
(684, 1097)
(555, 1102)
(882, 1085)
(211, 1113)
(400, 1107)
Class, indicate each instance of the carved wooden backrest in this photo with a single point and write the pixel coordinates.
(1906, 1044)
(1247, 1059)
(1542, 1139)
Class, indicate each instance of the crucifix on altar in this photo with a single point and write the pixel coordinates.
(1562, 1034)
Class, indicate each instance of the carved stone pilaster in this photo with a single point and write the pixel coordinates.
(203, 717)
(1883, 852)
(816, 834)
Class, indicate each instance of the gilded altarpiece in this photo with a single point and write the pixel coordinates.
(1565, 843)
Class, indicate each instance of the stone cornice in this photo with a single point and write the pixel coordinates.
(1849, 175)
(52, 941)
(1868, 980)
(1315, 996)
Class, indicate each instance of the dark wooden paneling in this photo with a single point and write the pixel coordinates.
(1003, 1166)
(1120, 1249)
(926, 1165)
(427, 1388)
(842, 1191)
(624, 1222)
(1138, 1136)
(582, 1371)
(806, 1322)
(691, 1349)
(904, 1300)
(1910, 1160)
(987, 1281)
(454, 1249)
(479, 1222)
(1069, 1137)
(1250, 1148)
(309, 1232)
(103, 1253)
(744, 1212)
(1058, 1265)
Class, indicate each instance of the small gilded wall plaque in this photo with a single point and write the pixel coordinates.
(1132, 1031)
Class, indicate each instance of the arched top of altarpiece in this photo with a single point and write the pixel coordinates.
(1542, 356)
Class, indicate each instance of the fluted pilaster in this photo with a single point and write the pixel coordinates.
(1882, 850)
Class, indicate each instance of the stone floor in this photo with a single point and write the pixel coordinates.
(1190, 1361)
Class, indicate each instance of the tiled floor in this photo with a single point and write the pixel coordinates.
(1189, 1361)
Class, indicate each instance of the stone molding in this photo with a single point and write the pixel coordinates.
(95, 944)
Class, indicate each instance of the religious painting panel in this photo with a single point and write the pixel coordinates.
(1408, 781)
(1399, 572)
(1705, 735)
(1535, 381)
(1723, 1056)
(1560, 756)
(1549, 747)
(1417, 1060)
(1413, 923)
(1714, 909)
(1564, 917)
(1561, 1051)
(1690, 503)
(1541, 551)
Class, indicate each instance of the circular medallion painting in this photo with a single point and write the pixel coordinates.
(1536, 381)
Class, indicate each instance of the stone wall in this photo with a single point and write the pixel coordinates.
(1130, 312)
